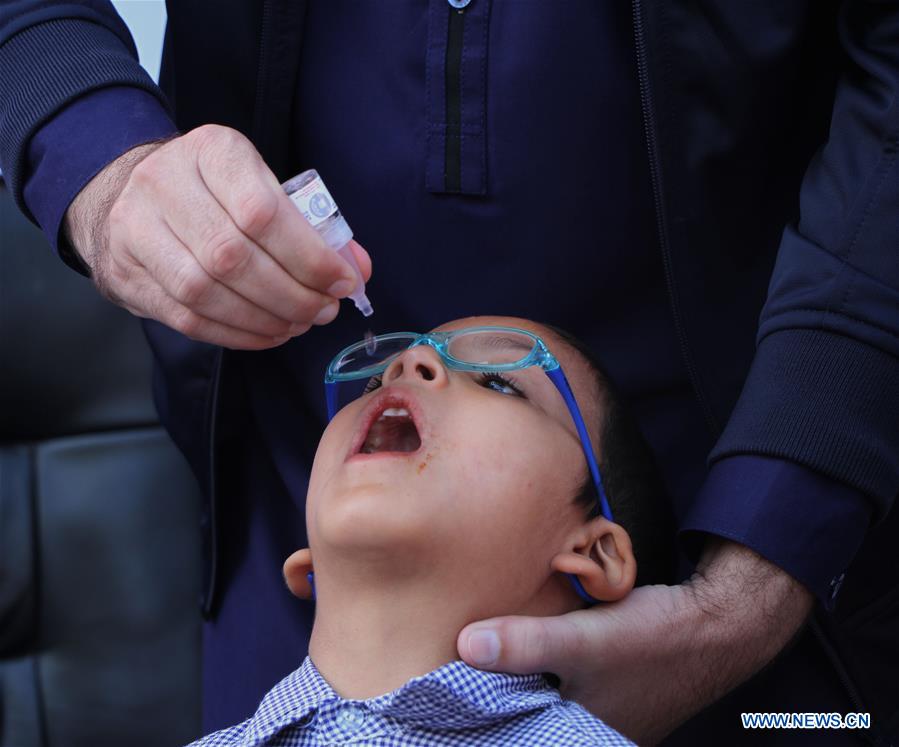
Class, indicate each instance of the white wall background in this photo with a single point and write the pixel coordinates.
(146, 20)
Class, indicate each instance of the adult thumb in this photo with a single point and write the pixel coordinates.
(520, 645)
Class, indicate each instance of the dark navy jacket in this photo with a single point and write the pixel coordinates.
(740, 106)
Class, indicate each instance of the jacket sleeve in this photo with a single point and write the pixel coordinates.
(51, 54)
(823, 389)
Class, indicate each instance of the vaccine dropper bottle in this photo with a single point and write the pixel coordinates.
(309, 193)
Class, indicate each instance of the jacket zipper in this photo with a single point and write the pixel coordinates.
(262, 92)
(453, 81)
(261, 138)
(655, 173)
(209, 591)
(870, 736)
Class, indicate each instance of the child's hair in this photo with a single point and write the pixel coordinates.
(630, 476)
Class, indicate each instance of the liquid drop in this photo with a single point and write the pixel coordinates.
(371, 344)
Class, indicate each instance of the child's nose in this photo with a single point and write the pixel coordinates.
(422, 363)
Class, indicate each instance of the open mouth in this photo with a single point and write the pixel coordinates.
(391, 428)
(394, 430)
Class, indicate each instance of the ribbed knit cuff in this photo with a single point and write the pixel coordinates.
(44, 67)
(76, 143)
(825, 401)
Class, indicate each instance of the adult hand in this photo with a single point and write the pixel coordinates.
(197, 233)
(649, 662)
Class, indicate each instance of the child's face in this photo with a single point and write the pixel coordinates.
(489, 489)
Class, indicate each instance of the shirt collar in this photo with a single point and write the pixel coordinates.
(454, 695)
(457, 696)
(292, 701)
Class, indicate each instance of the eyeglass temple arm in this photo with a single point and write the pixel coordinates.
(331, 398)
(558, 378)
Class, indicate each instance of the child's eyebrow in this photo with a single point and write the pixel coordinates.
(506, 341)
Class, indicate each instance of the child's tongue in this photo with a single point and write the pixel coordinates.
(396, 433)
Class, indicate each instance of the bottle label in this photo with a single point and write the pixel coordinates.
(314, 201)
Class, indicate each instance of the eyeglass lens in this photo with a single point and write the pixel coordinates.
(359, 358)
(490, 347)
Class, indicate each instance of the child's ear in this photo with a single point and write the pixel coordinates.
(602, 558)
(295, 569)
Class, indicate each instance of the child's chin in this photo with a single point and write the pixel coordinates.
(375, 516)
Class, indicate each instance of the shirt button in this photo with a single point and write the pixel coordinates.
(350, 718)
(458, 4)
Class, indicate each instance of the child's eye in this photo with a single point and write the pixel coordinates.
(373, 383)
(499, 383)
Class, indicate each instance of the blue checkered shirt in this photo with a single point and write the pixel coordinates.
(453, 705)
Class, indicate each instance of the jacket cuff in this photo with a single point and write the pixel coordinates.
(71, 148)
(48, 65)
(825, 401)
(805, 523)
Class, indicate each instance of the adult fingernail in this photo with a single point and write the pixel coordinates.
(483, 647)
(341, 288)
(327, 314)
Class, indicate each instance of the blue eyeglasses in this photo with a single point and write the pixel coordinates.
(479, 349)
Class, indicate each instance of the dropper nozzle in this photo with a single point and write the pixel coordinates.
(363, 304)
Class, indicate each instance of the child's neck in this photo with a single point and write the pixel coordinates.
(379, 625)
(367, 642)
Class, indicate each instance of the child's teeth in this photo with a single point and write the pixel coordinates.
(395, 412)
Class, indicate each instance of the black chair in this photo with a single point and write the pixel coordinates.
(99, 520)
